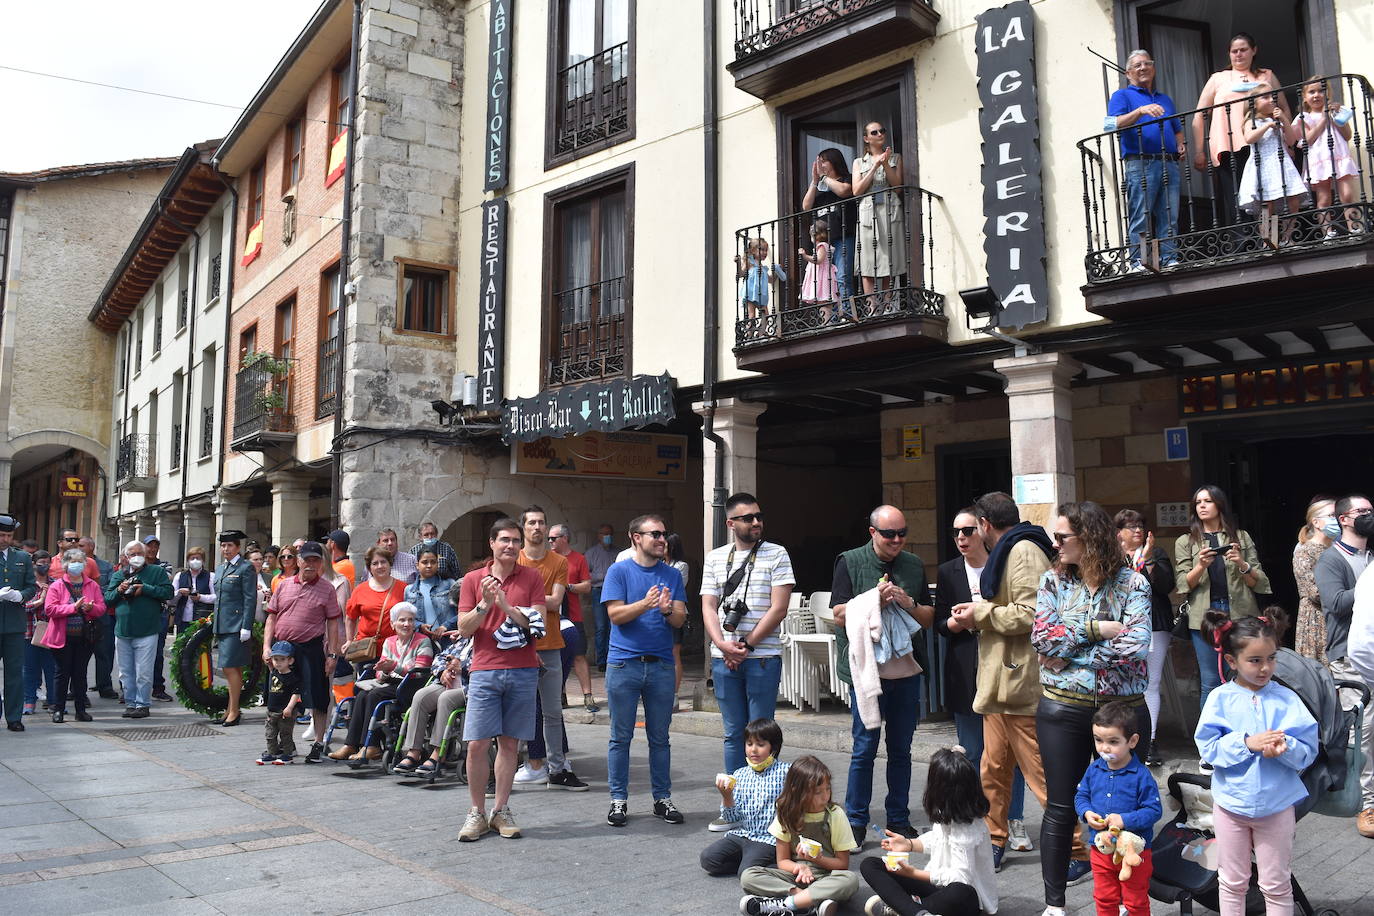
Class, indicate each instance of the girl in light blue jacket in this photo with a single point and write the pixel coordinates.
(1258, 736)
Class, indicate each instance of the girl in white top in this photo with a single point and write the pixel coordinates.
(958, 880)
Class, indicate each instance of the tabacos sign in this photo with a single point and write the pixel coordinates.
(1013, 195)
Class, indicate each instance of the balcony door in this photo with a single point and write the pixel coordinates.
(592, 70)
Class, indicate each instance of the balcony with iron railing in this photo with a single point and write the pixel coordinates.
(207, 431)
(590, 337)
(216, 265)
(262, 409)
(327, 382)
(1169, 229)
(839, 282)
(175, 461)
(136, 462)
(781, 44)
(593, 106)
(183, 307)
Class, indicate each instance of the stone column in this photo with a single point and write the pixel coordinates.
(290, 507)
(231, 513)
(168, 523)
(5, 465)
(128, 530)
(200, 529)
(1041, 415)
(143, 525)
(736, 422)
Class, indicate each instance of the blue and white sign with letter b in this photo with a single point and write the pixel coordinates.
(1176, 443)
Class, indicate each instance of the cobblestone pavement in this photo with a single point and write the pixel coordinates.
(92, 822)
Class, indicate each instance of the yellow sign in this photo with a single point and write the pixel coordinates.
(624, 455)
(73, 487)
(913, 442)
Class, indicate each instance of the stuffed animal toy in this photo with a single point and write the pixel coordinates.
(1123, 846)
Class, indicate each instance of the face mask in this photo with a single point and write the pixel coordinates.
(196, 565)
(606, 539)
(430, 542)
(75, 569)
(762, 765)
(1332, 528)
(137, 562)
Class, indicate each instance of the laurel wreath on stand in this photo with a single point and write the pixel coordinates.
(197, 639)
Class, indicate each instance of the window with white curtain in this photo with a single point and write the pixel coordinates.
(592, 69)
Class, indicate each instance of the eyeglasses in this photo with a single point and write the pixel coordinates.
(892, 534)
(747, 517)
(286, 556)
(966, 531)
(877, 133)
(1142, 65)
(1060, 537)
(653, 534)
(70, 540)
(1362, 510)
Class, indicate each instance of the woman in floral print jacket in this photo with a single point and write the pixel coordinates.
(1092, 630)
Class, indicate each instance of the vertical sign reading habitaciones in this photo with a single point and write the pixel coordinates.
(1013, 195)
(498, 94)
(491, 334)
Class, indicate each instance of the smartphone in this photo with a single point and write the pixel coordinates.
(1223, 548)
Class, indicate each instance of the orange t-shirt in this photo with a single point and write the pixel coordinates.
(372, 609)
(344, 568)
(554, 569)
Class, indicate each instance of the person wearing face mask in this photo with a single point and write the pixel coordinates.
(73, 606)
(1314, 537)
(137, 593)
(600, 557)
(193, 590)
(448, 557)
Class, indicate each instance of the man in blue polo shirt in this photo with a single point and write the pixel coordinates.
(1151, 139)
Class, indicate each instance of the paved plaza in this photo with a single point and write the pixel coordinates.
(95, 818)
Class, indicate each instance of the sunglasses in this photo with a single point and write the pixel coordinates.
(70, 540)
(1060, 537)
(966, 531)
(747, 517)
(653, 534)
(877, 133)
(892, 534)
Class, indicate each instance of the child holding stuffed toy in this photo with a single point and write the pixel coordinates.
(1119, 801)
(1258, 736)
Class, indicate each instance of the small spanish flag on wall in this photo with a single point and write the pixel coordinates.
(338, 155)
(252, 245)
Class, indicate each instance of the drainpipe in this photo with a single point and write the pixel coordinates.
(710, 356)
(190, 369)
(345, 235)
(227, 299)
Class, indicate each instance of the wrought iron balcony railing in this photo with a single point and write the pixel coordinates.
(176, 447)
(593, 101)
(216, 265)
(183, 307)
(136, 460)
(1250, 188)
(590, 342)
(207, 431)
(764, 24)
(877, 264)
(327, 384)
(262, 403)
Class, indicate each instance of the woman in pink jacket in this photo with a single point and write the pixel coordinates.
(74, 601)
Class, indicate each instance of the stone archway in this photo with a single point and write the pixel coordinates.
(456, 513)
(33, 469)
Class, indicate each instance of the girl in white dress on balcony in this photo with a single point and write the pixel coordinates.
(1326, 133)
(820, 283)
(1270, 175)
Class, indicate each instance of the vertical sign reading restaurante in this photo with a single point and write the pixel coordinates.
(1013, 195)
(491, 334)
(498, 95)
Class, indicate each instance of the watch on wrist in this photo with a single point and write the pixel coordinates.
(748, 646)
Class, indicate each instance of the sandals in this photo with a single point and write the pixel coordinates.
(426, 768)
(407, 764)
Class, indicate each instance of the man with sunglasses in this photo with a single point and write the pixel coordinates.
(645, 599)
(745, 584)
(900, 578)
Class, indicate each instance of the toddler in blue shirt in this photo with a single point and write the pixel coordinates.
(748, 804)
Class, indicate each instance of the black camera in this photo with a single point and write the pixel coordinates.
(734, 613)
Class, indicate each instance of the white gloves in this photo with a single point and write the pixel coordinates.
(245, 635)
(11, 594)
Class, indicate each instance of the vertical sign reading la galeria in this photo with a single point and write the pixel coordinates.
(491, 334)
(1013, 194)
(497, 159)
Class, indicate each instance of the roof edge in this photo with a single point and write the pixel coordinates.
(87, 170)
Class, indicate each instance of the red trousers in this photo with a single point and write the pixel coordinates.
(1110, 892)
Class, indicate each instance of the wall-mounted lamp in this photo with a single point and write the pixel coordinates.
(982, 305)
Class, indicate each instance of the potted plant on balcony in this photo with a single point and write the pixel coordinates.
(270, 399)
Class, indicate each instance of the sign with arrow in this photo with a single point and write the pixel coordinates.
(608, 406)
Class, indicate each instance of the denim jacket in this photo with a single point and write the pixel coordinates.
(438, 610)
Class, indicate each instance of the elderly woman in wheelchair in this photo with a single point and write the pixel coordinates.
(408, 653)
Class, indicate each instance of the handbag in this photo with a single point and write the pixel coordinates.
(362, 650)
(1180, 629)
(40, 630)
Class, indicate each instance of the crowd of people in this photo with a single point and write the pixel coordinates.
(1055, 654)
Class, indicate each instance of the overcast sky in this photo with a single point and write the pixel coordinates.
(192, 48)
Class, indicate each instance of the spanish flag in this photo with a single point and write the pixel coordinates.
(338, 155)
(252, 245)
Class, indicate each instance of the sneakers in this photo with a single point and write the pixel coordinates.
(283, 759)
(265, 759)
(589, 703)
(474, 827)
(139, 712)
(907, 831)
(722, 825)
(567, 780)
(665, 809)
(1365, 823)
(1204, 766)
(503, 822)
(876, 907)
(751, 905)
(1017, 838)
(1153, 759)
(1079, 870)
(316, 753)
(1053, 911)
(162, 695)
(528, 777)
(618, 815)
(997, 853)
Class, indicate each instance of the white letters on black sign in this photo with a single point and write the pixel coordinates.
(1013, 201)
(498, 94)
(491, 330)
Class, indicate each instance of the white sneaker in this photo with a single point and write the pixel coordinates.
(721, 825)
(1017, 838)
(876, 907)
(1053, 911)
(474, 827)
(527, 777)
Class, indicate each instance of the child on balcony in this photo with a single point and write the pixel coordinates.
(1325, 134)
(1270, 174)
(820, 282)
(753, 269)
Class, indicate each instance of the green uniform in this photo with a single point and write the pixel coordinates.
(16, 572)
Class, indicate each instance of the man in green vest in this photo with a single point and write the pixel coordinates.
(900, 578)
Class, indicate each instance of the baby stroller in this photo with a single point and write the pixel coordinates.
(1181, 863)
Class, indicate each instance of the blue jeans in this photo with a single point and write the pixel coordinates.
(1207, 657)
(627, 683)
(104, 654)
(969, 728)
(136, 668)
(900, 705)
(844, 268)
(39, 664)
(1152, 197)
(603, 626)
(159, 680)
(749, 692)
